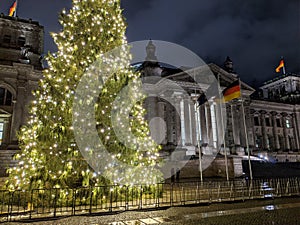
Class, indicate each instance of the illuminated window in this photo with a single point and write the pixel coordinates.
(287, 122)
(1, 131)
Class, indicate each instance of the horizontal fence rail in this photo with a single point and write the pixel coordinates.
(47, 203)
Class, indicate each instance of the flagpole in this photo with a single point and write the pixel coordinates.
(16, 8)
(199, 142)
(283, 69)
(223, 129)
(246, 137)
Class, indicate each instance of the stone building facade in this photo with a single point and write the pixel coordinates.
(265, 122)
(272, 115)
(21, 47)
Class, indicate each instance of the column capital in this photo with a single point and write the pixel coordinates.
(273, 113)
(263, 112)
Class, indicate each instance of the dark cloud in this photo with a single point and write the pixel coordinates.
(254, 33)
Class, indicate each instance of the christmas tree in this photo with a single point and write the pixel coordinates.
(50, 156)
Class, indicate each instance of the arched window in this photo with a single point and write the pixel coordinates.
(5, 97)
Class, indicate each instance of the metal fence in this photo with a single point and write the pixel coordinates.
(46, 203)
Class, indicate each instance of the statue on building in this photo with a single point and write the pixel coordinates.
(25, 54)
(228, 65)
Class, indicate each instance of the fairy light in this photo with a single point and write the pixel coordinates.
(49, 157)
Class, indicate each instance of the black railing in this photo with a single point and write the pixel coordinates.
(46, 203)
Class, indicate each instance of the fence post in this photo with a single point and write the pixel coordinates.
(73, 201)
(277, 188)
(209, 192)
(287, 187)
(30, 204)
(297, 185)
(127, 198)
(141, 198)
(91, 199)
(219, 189)
(157, 195)
(171, 195)
(110, 199)
(9, 206)
(231, 191)
(55, 199)
(197, 200)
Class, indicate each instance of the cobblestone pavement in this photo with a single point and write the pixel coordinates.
(255, 212)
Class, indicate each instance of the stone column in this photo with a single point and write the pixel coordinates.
(152, 112)
(170, 120)
(209, 125)
(177, 121)
(236, 128)
(203, 123)
(162, 128)
(187, 122)
(18, 108)
(252, 128)
(275, 133)
(296, 134)
(193, 123)
(263, 129)
(285, 132)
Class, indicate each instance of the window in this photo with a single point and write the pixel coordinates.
(1, 131)
(5, 97)
(268, 122)
(288, 124)
(21, 41)
(278, 122)
(6, 39)
(256, 121)
(258, 142)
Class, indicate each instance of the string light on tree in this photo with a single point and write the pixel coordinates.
(49, 155)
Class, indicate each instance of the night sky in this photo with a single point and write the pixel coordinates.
(254, 33)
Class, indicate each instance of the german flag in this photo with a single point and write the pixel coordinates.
(281, 65)
(13, 8)
(232, 91)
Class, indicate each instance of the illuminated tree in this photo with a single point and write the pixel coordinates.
(50, 156)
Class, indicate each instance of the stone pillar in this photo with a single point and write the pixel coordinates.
(285, 132)
(170, 120)
(152, 112)
(152, 107)
(236, 129)
(187, 122)
(264, 129)
(275, 133)
(19, 108)
(252, 142)
(296, 134)
(209, 125)
(178, 121)
(203, 123)
(193, 123)
(162, 128)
